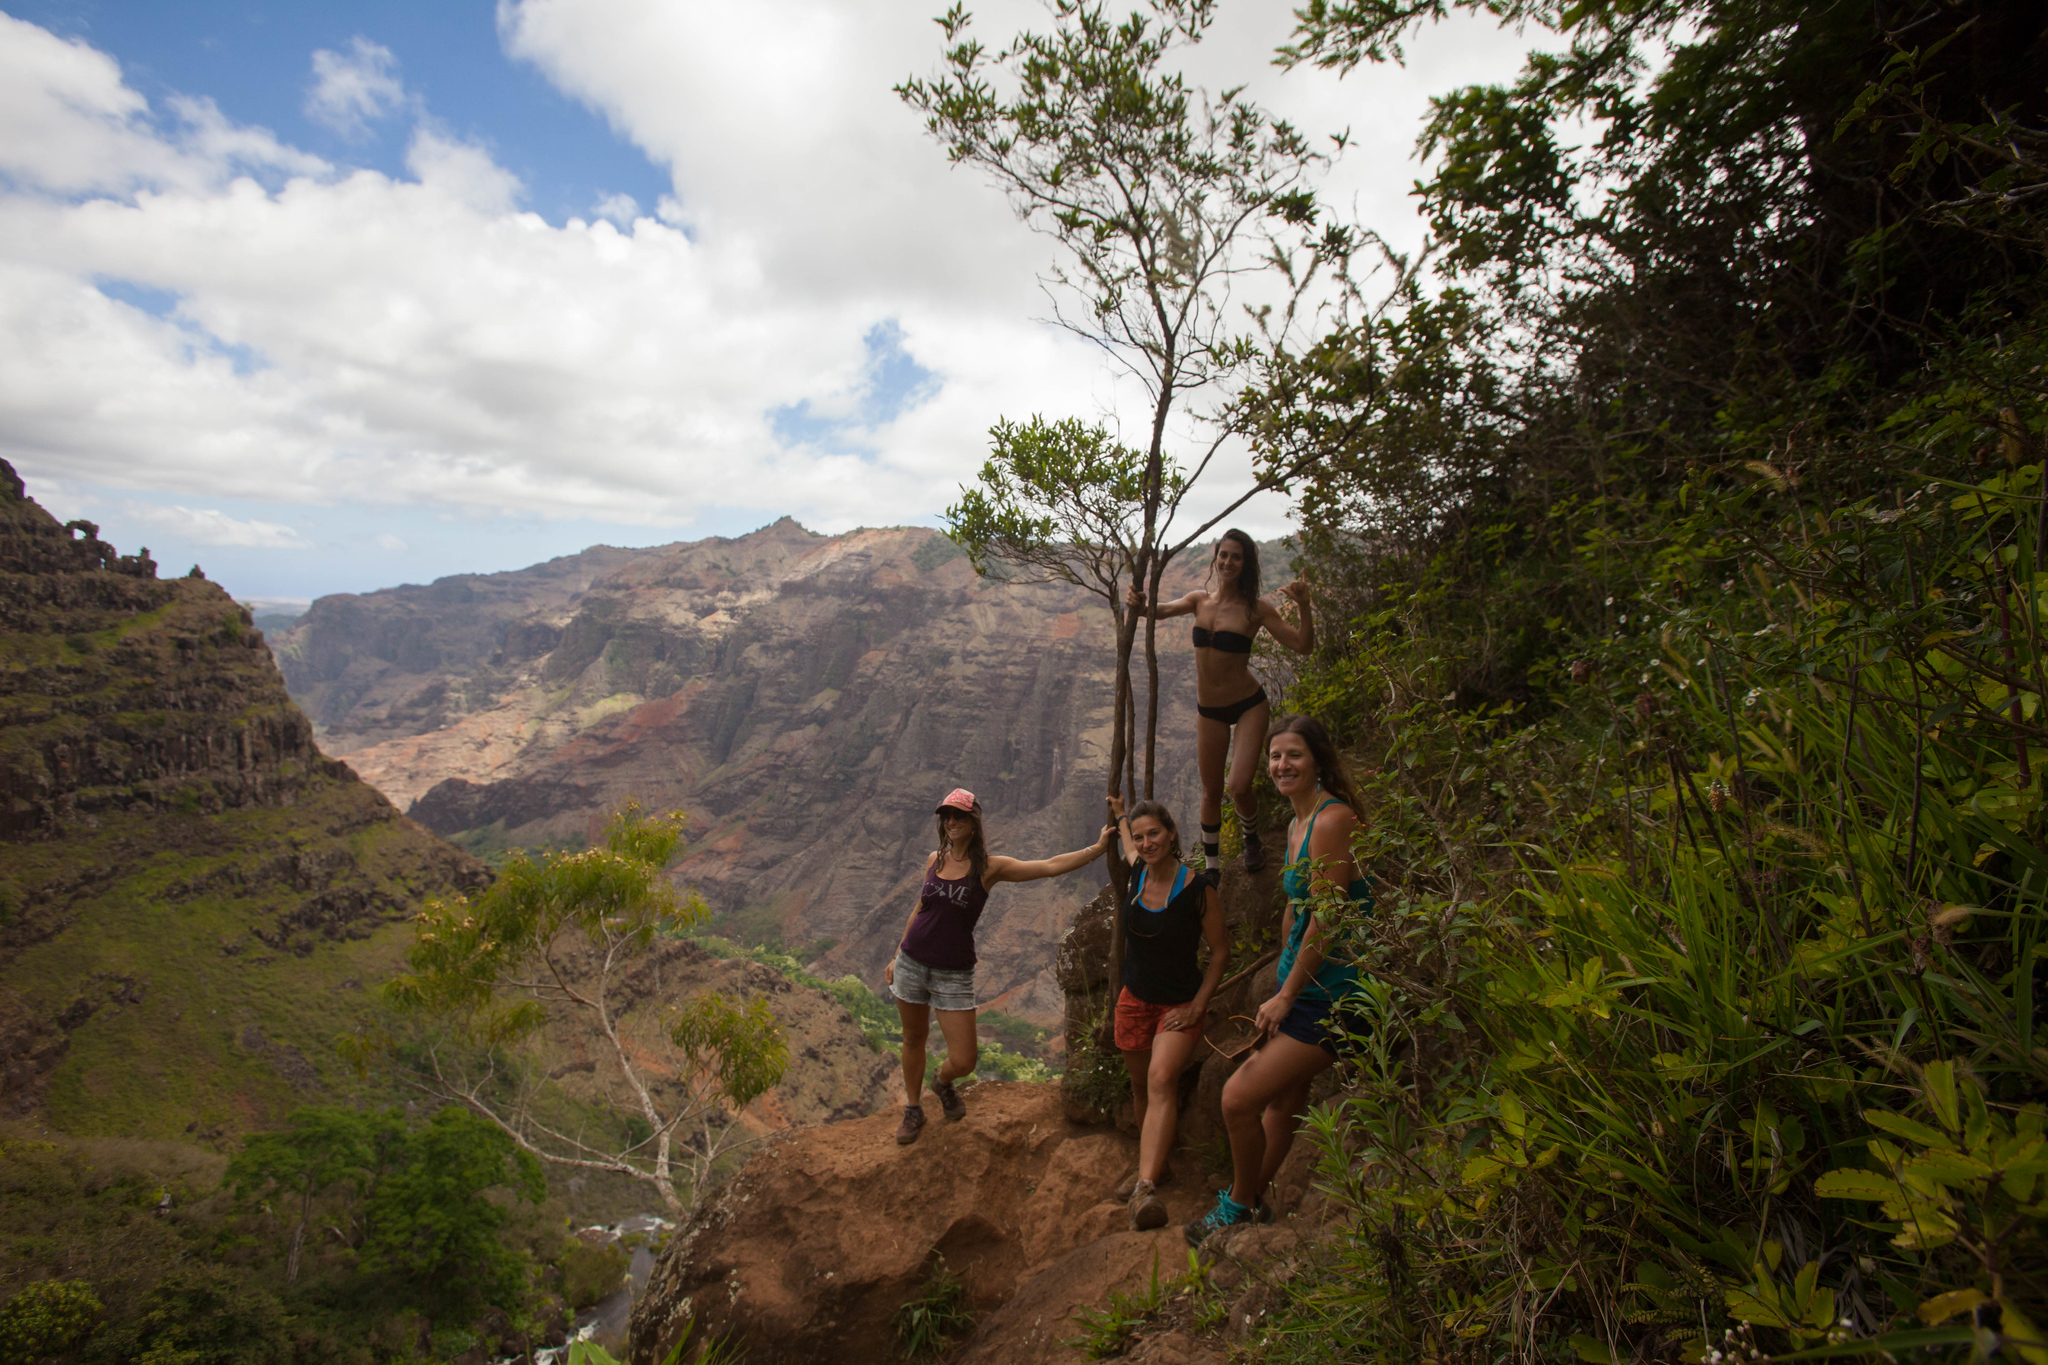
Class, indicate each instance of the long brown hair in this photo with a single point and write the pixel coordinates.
(977, 850)
(1330, 770)
(1246, 584)
(1165, 818)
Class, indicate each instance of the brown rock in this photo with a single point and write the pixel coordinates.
(805, 697)
(811, 1249)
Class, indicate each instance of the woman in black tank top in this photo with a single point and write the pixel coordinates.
(1165, 991)
(1228, 617)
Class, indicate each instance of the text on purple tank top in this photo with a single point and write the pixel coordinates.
(942, 932)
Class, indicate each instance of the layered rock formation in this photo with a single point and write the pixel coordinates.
(192, 894)
(194, 902)
(807, 698)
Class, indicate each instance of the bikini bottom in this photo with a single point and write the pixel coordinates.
(1230, 714)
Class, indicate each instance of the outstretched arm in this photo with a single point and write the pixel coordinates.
(1179, 606)
(1017, 870)
(1299, 638)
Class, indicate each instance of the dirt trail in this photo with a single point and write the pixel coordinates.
(809, 1252)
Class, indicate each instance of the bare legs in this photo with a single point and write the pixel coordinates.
(963, 1050)
(1245, 749)
(1262, 1108)
(1155, 1094)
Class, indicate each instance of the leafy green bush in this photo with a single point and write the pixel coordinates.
(590, 1275)
(47, 1318)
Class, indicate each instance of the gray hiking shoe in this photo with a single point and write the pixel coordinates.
(1148, 1210)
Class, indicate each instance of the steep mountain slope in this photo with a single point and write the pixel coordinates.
(193, 895)
(806, 698)
(194, 901)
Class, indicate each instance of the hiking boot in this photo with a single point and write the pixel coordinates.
(1213, 876)
(949, 1100)
(1254, 851)
(1148, 1210)
(1130, 1185)
(1228, 1213)
(912, 1125)
(1262, 1212)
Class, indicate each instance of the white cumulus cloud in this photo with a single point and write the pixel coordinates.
(210, 526)
(352, 90)
(346, 334)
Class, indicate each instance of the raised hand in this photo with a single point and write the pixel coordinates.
(1298, 590)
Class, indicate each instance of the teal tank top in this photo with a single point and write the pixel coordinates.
(1335, 978)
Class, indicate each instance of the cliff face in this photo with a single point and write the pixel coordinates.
(192, 896)
(807, 699)
(194, 901)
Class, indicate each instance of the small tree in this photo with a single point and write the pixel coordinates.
(1056, 503)
(432, 1229)
(323, 1147)
(548, 942)
(1160, 200)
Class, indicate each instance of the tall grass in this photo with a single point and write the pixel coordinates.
(1704, 1009)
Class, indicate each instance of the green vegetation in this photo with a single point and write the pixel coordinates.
(1683, 552)
(929, 1324)
(1106, 1332)
(1014, 1049)
(549, 941)
(115, 1250)
(218, 956)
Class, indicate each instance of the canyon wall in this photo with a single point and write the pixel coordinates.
(806, 698)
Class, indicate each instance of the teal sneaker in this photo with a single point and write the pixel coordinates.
(1227, 1213)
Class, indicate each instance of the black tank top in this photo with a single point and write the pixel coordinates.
(1159, 945)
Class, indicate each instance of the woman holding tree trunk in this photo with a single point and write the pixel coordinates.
(1231, 707)
(934, 965)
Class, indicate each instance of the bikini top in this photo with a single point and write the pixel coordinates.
(1229, 641)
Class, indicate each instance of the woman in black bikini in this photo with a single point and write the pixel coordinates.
(1227, 619)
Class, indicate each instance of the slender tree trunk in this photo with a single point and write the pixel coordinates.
(1152, 676)
(291, 1262)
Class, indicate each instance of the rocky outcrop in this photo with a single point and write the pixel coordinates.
(806, 698)
(120, 690)
(809, 1252)
(384, 665)
(177, 851)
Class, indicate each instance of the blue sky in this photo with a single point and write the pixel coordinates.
(254, 59)
(332, 297)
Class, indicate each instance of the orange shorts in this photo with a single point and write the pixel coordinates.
(1137, 1022)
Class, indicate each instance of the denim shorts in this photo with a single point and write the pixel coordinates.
(940, 987)
(1310, 1021)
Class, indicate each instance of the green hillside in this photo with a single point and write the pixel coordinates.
(194, 898)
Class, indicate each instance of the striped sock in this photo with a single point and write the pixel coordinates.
(1212, 845)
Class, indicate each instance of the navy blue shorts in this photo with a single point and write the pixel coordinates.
(1310, 1022)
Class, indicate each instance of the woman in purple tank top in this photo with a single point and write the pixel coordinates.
(934, 966)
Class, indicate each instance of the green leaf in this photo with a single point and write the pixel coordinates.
(1856, 1184)
(1900, 1126)
(1593, 1350)
(1938, 1085)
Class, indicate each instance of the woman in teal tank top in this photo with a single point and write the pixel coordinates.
(1264, 1101)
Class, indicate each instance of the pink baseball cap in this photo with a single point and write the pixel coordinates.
(959, 799)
